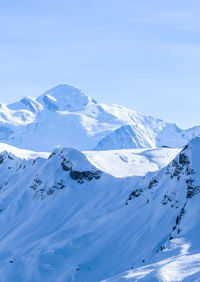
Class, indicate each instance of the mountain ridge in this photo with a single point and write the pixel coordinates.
(65, 116)
(64, 219)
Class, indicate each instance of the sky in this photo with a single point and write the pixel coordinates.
(142, 54)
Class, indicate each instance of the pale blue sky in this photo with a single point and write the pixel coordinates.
(143, 54)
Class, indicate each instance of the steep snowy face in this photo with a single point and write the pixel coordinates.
(63, 219)
(147, 134)
(27, 103)
(126, 137)
(179, 181)
(171, 135)
(176, 189)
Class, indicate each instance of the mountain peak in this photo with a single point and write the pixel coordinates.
(63, 90)
(78, 160)
(64, 97)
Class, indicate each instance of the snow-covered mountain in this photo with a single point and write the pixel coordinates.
(64, 219)
(119, 163)
(136, 136)
(66, 116)
(176, 189)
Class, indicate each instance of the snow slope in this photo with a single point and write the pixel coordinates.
(65, 116)
(181, 267)
(122, 163)
(125, 137)
(177, 258)
(63, 219)
(136, 136)
(22, 153)
(119, 163)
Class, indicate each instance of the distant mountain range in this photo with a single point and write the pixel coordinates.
(65, 116)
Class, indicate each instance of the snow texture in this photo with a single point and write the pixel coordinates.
(117, 199)
(64, 219)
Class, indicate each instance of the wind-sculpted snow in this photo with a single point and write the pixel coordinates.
(138, 162)
(57, 225)
(119, 163)
(176, 268)
(65, 116)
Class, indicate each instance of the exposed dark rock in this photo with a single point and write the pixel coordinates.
(183, 159)
(66, 165)
(136, 193)
(162, 248)
(189, 181)
(50, 191)
(4, 156)
(153, 183)
(189, 171)
(51, 155)
(60, 185)
(192, 190)
(178, 219)
(186, 147)
(180, 167)
(1, 158)
(80, 177)
(11, 158)
(36, 183)
(169, 198)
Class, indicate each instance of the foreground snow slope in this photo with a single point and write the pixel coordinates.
(178, 256)
(66, 116)
(182, 267)
(62, 219)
